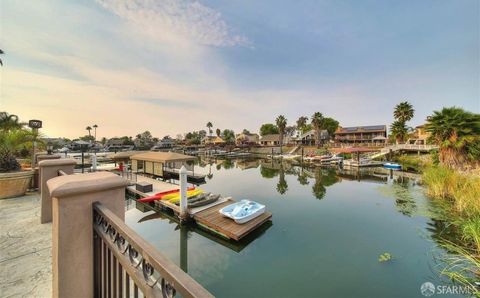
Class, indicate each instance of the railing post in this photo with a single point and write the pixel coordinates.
(48, 169)
(72, 237)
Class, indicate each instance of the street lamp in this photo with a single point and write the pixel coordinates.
(49, 148)
(83, 146)
(34, 125)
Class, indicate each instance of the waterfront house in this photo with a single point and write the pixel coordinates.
(270, 140)
(308, 137)
(213, 140)
(375, 135)
(419, 136)
(164, 143)
(117, 145)
(246, 139)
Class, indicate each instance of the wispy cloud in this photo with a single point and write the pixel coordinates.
(171, 20)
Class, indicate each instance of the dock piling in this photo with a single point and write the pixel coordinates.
(182, 177)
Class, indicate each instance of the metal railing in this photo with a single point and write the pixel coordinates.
(125, 265)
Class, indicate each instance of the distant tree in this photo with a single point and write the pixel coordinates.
(268, 129)
(218, 132)
(95, 131)
(317, 123)
(87, 138)
(104, 141)
(330, 125)
(245, 131)
(209, 126)
(403, 112)
(228, 136)
(301, 123)
(281, 122)
(1, 53)
(457, 132)
(89, 129)
(202, 134)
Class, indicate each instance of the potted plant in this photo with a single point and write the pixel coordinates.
(14, 181)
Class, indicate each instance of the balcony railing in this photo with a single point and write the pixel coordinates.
(125, 265)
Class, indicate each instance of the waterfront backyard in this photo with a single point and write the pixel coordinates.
(330, 229)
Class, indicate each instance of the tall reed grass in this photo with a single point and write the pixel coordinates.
(462, 194)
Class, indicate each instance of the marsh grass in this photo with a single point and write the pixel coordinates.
(460, 196)
(462, 191)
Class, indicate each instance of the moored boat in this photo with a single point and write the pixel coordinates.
(391, 165)
(243, 211)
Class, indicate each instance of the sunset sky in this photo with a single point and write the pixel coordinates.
(171, 66)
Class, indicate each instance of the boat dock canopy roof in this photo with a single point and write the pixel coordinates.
(162, 157)
(124, 155)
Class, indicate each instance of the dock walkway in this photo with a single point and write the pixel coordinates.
(207, 216)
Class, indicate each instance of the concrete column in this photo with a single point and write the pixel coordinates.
(183, 192)
(72, 237)
(49, 169)
(39, 157)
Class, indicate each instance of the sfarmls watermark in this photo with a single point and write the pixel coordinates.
(429, 289)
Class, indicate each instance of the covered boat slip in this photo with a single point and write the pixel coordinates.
(164, 164)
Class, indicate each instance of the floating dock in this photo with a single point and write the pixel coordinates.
(207, 217)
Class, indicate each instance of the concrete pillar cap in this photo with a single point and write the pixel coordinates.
(57, 162)
(69, 185)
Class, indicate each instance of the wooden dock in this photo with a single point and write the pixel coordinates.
(212, 220)
(207, 217)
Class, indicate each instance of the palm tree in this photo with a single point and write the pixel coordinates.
(209, 126)
(317, 123)
(403, 112)
(399, 131)
(89, 129)
(218, 132)
(301, 122)
(281, 122)
(9, 121)
(457, 132)
(1, 52)
(95, 131)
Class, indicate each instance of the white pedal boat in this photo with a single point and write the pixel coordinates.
(243, 211)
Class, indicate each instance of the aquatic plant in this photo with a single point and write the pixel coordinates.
(385, 257)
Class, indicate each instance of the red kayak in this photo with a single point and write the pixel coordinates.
(159, 195)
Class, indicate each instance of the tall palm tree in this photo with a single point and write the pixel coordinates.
(1, 62)
(95, 131)
(399, 131)
(89, 129)
(209, 126)
(403, 112)
(281, 122)
(301, 122)
(457, 132)
(317, 123)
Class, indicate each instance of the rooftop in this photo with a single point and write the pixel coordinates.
(161, 157)
(355, 129)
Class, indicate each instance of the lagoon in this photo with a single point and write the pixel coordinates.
(328, 230)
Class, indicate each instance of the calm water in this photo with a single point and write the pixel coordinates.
(329, 228)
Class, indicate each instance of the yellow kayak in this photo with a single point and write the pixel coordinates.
(175, 194)
(190, 194)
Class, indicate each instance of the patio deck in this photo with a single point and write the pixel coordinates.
(25, 249)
